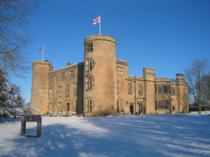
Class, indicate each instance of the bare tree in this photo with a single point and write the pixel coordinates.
(13, 14)
(205, 83)
(195, 76)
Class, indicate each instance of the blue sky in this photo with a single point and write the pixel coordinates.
(165, 34)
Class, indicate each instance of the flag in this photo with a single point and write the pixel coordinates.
(97, 20)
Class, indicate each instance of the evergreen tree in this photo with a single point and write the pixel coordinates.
(10, 98)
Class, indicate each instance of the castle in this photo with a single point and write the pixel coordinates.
(101, 85)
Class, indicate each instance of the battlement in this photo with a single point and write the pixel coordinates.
(100, 37)
(149, 70)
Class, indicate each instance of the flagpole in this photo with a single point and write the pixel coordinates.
(99, 26)
(43, 50)
(42, 56)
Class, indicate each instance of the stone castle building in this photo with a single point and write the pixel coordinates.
(101, 85)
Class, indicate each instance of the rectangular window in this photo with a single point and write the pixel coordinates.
(130, 88)
(89, 82)
(160, 90)
(60, 91)
(90, 47)
(163, 104)
(50, 93)
(89, 105)
(86, 82)
(173, 92)
(62, 75)
(86, 64)
(89, 64)
(118, 87)
(140, 90)
(50, 82)
(164, 89)
(72, 74)
(67, 90)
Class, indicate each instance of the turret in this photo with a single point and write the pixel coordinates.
(40, 86)
(99, 75)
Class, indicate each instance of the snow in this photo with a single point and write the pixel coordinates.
(202, 113)
(175, 135)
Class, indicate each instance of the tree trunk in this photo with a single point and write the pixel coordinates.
(199, 108)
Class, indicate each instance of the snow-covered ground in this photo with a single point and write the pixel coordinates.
(197, 113)
(121, 136)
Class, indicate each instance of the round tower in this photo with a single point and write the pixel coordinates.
(99, 75)
(40, 86)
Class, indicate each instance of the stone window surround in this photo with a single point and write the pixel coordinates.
(130, 88)
(89, 64)
(89, 104)
(89, 82)
(89, 47)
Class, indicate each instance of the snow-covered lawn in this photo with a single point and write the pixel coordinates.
(132, 136)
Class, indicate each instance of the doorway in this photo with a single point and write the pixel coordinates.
(68, 107)
(131, 109)
(118, 107)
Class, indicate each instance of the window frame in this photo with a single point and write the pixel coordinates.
(89, 47)
(130, 88)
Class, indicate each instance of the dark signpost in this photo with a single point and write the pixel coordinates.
(31, 118)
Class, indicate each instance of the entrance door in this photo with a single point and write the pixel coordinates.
(118, 107)
(131, 109)
(139, 108)
(67, 107)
